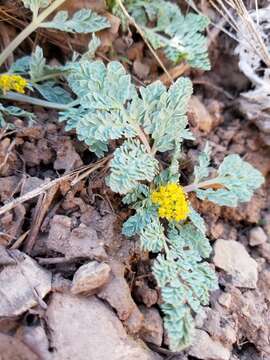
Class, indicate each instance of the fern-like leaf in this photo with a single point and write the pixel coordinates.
(201, 171)
(239, 180)
(164, 113)
(180, 36)
(82, 21)
(185, 281)
(35, 5)
(130, 165)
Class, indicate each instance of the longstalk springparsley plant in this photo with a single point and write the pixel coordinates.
(103, 105)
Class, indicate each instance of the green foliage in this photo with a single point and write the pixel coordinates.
(82, 21)
(53, 92)
(147, 121)
(164, 113)
(13, 111)
(107, 111)
(21, 65)
(180, 36)
(131, 163)
(239, 180)
(37, 67)
(201, 171)
(92, 48)
(35, 5)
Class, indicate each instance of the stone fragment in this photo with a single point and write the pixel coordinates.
(30, 184)
(5, 258)
(22, 285)
(97, 334)
(8, 186)
(117, 292)
(232, 257)
(81, 242)
(59, 233)
(84, 242)
(67, 158)
(152, 329)
(135, 321)
(90, 277)
(264, 250)
(13, 349)
(204, 347)
(225, 299)
(257, 236)
(145, 294)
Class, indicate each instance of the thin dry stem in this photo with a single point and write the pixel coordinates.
(140, 31)
(79, 174)
(234, 11)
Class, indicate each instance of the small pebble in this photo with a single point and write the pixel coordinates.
(257, 236)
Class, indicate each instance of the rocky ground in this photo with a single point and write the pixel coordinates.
(72, 287)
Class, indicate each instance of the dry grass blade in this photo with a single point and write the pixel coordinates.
(236, 13)
(140, 31)
(77, 175)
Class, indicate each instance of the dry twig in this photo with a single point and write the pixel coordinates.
(130, 18)
(79, 174)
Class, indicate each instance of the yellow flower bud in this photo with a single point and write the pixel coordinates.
(12, 82)
(171, 201)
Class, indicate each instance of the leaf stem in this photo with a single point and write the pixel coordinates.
(29, 29)
(206, 183)
(34, 101)
(48, 76)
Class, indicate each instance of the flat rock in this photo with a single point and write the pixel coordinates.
(13, 349)
(81, 242)
(117, 292)
(5, 258)
(60, 229)
(22, 285)
(90, 277)
(152, 328)
(204, 347)
(35, 338)
(84, 242)
(97, 334)
(135, 321)
(257, 236)
(232, 257)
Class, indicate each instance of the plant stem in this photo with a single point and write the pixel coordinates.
(140, 31)
(34, 101)
(143, 139)
(48, 77)
(29, 29)
(202, 184)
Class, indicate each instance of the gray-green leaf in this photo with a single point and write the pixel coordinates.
(130, 165)
(240, 180)
(82, 21)
(201, 170)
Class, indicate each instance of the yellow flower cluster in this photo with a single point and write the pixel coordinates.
(12, 82)
(172, 202)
